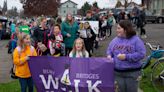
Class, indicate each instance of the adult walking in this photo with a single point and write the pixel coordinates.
(110, 23)
(141, 23)
(126, 50)
(69, 30)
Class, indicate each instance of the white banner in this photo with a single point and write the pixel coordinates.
(94, 25)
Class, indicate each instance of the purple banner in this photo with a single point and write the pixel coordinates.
(65, 74)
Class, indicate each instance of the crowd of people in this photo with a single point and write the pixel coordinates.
(44, 32)
(44, 37)
(49, 37)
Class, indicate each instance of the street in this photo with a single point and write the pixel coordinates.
(154, 32)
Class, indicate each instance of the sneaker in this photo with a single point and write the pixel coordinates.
(143, 36)
(101, 39)
(104, 37)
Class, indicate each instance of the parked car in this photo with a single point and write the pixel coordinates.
(150, 17)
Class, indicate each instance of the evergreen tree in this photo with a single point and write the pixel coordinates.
(4, 9)
(85, 8)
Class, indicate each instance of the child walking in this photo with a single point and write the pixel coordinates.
(79, 49)
(20, 56)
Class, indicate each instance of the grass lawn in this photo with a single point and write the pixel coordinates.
(10, 87)
(145, 83)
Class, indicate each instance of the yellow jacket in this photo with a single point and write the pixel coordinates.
(19, 59)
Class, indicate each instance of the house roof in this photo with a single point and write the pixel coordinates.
(68, 1)
(133, 3)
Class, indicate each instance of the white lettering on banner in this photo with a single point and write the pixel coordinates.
(48, 71)
(94, 87)
(55, 83)
(90, 87)
(77, 85)
(87, 76)
(50, 79)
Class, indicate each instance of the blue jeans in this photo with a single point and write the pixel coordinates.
(127, 81)
(13, 44)
(26, 82)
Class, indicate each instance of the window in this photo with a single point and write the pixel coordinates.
(64, 11)
(74, 12)
(67, 6)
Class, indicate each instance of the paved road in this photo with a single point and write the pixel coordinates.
(155, 32)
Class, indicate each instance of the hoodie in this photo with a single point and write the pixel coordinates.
(133, 48)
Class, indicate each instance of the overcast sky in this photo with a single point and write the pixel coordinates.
(101, 3)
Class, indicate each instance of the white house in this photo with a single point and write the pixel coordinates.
(131, 5)
(67, 7)
(157, 6)
(0, 8)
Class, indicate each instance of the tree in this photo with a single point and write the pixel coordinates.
(85, 8)
(21, 13)
(125, 3)
(95, 5)
(146, 3)
(13, 12)
(40, 7)
(0, 10)
(4, 9)
(118, 4)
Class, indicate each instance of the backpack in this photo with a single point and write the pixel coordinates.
(11, 46)
(12, 71)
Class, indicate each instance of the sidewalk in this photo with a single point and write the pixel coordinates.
(5, 63)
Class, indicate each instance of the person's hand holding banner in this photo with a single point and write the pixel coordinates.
(110, 58)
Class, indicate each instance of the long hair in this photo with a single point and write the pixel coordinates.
(88, 24)
(127, 26)
(21, 38)
(83, 47)
(0, 26)
(67, 20)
